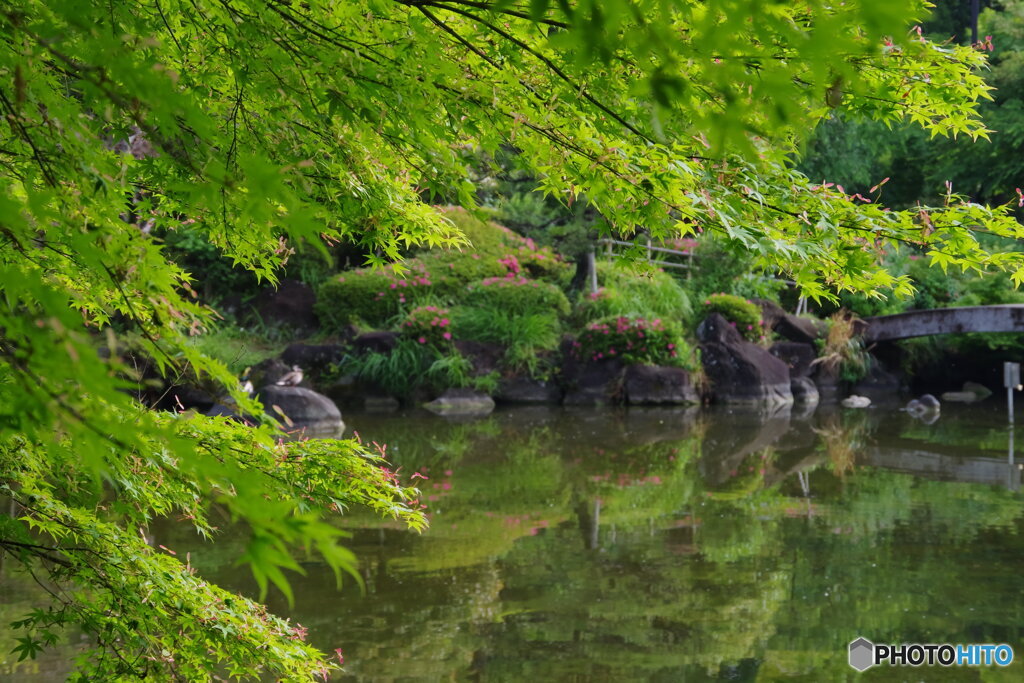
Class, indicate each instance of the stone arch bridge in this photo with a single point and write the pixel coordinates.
(1001, 318)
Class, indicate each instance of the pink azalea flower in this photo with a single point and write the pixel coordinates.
(447, 335)
(422, 340)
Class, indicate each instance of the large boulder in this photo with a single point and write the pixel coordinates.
(797, 356)
(289, 306)
(485, 357)
(804, 391)
(594, 383)
(380, 342)
(741, 372)
(462, 402)
(771, 312)
(653, 385)
(527, 390)
(304, 407)
(799, 329)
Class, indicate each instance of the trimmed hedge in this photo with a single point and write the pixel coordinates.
(743, 314)
(517, 295)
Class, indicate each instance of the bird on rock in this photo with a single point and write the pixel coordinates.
(246, 385)
(292, 378)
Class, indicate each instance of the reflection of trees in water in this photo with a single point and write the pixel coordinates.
(573, 548)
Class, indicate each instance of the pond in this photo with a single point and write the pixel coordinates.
(662, 545)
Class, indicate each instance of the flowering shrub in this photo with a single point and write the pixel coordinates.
(428, 325)
(515, 294)
(637, 341)
(373, 296)
(743, 314)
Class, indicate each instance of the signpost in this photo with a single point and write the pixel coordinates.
(1011, 380)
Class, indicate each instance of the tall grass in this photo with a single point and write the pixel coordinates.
(632, 292)
(410, 366)
(843, 350)
(527, 337)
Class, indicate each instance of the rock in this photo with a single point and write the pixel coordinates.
(594, 383)
(979, 390)
(924, 404)
(804, 391)
(381, 404)
(290, 305)
(797, 356)
(526, 390)
(187, 397)
(827, 382)
(771, 312)
(304, 407)
(484, 356)
(461, 402)
(380, 342)
(741, 372)
(798, 329)
(879, 384)
(855, 401)
(313, 358)
(653, 384)
(959, 396)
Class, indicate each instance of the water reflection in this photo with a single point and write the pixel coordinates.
(664, 544)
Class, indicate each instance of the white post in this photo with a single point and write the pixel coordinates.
(1011, 380)
(592, 268)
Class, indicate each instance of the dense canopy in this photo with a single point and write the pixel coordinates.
(270, 124)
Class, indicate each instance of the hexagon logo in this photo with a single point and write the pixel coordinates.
(862, 654)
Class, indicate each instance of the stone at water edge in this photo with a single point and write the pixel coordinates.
(741, 372)
(979, 390)
(805, 392)
(303, 406)
(526, 390)
(959, 396)
(856, 401)
(654, 384)
(797, 356)
(924, 404)
(461, 402)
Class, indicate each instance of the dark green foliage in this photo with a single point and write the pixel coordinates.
(635, 341)
(743, 314)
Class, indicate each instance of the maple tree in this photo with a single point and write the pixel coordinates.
(270, 124)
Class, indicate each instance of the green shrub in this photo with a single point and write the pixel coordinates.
(636, 341)
(528, 338)
(515, 294)
(631, 293)
(373, 297)
(744, 315)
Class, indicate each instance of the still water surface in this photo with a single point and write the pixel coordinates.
(663, 545)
